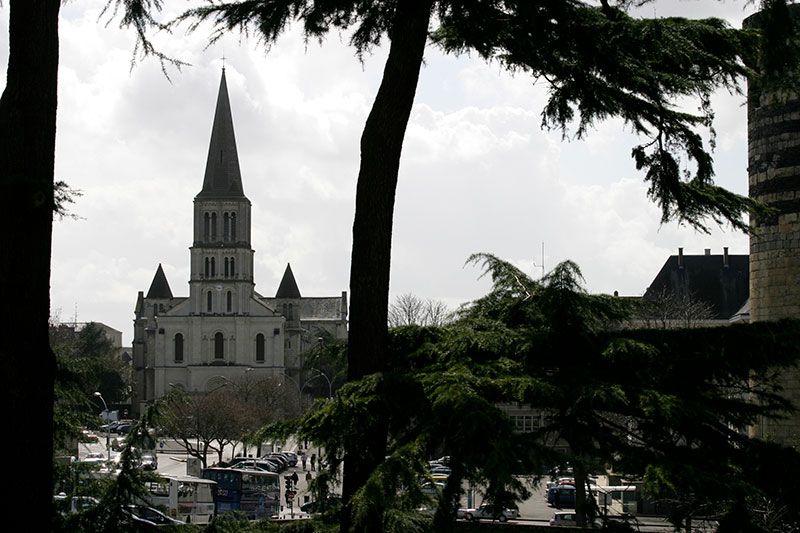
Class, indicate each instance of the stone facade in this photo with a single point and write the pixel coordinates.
(774, 178)
(224, 328)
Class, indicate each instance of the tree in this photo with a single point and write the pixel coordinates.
(207, 423)
(665, 309)
(599, 63)
(408, 309)
(27, 154)
(94, 354)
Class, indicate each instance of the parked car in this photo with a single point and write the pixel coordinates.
(149, 461)
(95, 457)
(432, 488)
(145, 515)
(66, 505)
(567, 518)
(441, 470)
(483, 512)
(264, 466)
(332, 502)
(561, 496)
(291, 456)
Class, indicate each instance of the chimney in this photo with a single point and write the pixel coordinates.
(708, 251)
(680, 257)
(725, 262)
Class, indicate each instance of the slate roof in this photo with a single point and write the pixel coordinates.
(160, 287)
(288, 287)
(223, 177)
(720, 280)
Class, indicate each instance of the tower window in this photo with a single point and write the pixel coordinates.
(206, 227)
(233, 226)
(229, 303)
(208, 270)
(209, 301)
(213, 226)
(225, 226)
(219, 346)
(233, 273)
(260, 348)
(226, 267)
(213, 267)
(178, 348)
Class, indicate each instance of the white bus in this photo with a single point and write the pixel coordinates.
(186, 498)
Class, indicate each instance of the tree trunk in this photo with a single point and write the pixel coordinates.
(27, 156)
(580, 493)
(381, 146)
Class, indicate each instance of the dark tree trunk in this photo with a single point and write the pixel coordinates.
(381, 146)
(27, 155)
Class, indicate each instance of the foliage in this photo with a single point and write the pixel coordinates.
(127, 486)
(666, 404)
(89, 353)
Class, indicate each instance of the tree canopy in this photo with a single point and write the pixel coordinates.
(668, 406)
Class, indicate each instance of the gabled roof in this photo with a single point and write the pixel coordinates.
(160, 287)
(288, 287)
(223, 177)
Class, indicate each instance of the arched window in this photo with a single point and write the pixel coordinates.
(213, 267)
(178, 348)
(219, 346)
(225, 226)
(233, 273)
(206, 227)
(229, 303)
(260, 348)
(233, 226)
(213, 226)
(208, 302)
(208, 271)
(226, 267)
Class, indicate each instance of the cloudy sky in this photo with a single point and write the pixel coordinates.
(478, 174)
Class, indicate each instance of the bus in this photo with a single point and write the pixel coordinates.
(187, 498)
(253, 492)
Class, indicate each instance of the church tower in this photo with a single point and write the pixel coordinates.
(221, 256)
(225, 334)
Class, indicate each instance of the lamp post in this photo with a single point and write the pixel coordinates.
(108, 436)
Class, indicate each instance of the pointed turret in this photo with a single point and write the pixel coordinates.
(160, 287)
(223, 177)
(288, 287)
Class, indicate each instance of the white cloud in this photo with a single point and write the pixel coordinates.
(477, 175)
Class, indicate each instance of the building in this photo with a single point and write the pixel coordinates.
(697, 291)
(224, 328)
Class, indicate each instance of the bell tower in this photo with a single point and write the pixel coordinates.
(221, 256)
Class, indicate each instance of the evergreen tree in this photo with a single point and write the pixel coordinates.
(668, 405)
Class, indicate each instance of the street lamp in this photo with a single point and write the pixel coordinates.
(108, 435)
(312, 378)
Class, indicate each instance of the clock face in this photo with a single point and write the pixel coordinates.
(219, 288)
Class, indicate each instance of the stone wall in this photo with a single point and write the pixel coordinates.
(774, 179)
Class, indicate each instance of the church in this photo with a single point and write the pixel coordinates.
(224, 328)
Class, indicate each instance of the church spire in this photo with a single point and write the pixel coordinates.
(160, 287)
(288, 287)
(222, 177)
